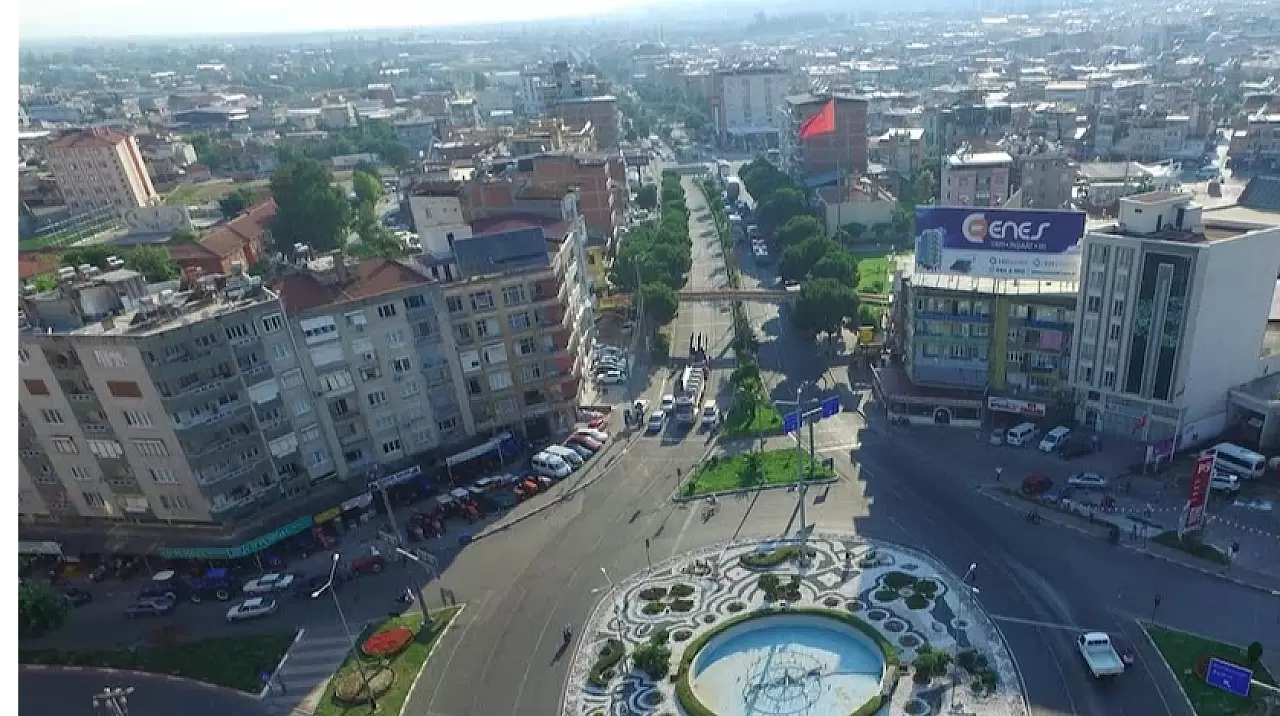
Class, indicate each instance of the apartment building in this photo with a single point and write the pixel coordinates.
(976, 176)
(1174, 303)
(600, 180)
(1031, 346)
(900, 150)
(1257, 146)
(843, 151)
(744, 104)
(100, 168)
(601, 112)
(1044, 178)
(156, 409)
(1144, 136)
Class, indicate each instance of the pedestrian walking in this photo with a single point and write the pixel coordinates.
(280, 682)
(999, 472)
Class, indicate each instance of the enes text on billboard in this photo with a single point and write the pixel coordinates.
(999, 243)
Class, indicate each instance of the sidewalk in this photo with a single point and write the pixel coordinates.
(306, 672)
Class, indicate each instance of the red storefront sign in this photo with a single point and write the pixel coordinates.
(1195, 511)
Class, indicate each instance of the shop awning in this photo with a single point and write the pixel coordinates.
(475, 452)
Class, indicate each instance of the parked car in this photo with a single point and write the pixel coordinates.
(268, 583)
(585, 441)
(668, 403)
(593, 433)
(1224, 482)
(77, 597)
(252, 609)
(150, 607)
(656, 419)
(582, 450)
(996, 437)
(1088, 480)
(1073, 448)
(306, 586)
(371, 563)
(1036, 485)
(1054, 439)
(612, 377)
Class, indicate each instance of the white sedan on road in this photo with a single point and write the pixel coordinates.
(252, 609)
(611, 377)
(268, 583)
(1088, 480)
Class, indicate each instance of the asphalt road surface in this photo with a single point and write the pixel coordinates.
(71, 694)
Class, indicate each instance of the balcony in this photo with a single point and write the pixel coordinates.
(569, 389)
(82, 397)
(433, 337)
(544, 292)
(205, 419)
(230, 474)
(1044, 321)
(561, 340)
(210, 449)
(241, 341)
(254, 371)
(944, 316)
(200, 387)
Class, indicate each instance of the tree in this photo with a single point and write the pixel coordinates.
(153, 262)
(798, 261)
(309, 208)
(781, 206)
(375, 240)
(823, 305)
(924, 188)
(798, 229)
(182, 236)
(235, 203)
(45, 282)
(367, 186)
(660, 302)
(210, 153)
(92, 254)
(837, 266)
(904, 221)
(40, 609)
(647, 197)
(1253, 654)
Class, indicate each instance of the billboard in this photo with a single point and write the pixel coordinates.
(999, 243)
(1193, 514)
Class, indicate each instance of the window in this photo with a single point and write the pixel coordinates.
(36, 387)
(481, 300)
(318, 458)
(109, 358)
(309, 433)
(1117, 308)
(391, 446)
(174, 502)
(1109, 378)
(979, 330)
(280, 351)
(526, 347)
(239, 330)
(500, 380)
(1113, 332)
(395, 338)
(1086, 374)
(81, 473)
(52, 417)
(455, 305)
(138, 419)
(376, 398)
(339, 380)
(65, 445)
(518, 321)
(24, 356)
(124, 389)
(410, 389)
(387, 310)
(495, 354)
(356, 320)
(384, 422)
(93, 499)
(401, 365)
(513, 295)
(487, 328)
(300, 407)
(291, 379)
(1093, 304)
(461, 331)
(151, 448)
(447, 425)
(412, 302)
(474, 387)
(470, 361)
(272, 322)
(1014, 357)
(530, 372)
(163, 476)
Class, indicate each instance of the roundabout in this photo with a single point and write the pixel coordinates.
(839, 626)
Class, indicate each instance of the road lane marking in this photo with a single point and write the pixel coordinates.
(675, 548)
(1037, 623)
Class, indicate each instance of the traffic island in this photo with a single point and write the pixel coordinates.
(1188, 655)
(764, 632)
(752, 471)
(236, 662)
(386, 664)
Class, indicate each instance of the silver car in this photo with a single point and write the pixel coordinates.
(1088, 481)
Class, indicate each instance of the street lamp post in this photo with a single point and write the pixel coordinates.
(431, 574)
(608, 590)
(113, 701)
(969, 592)
(328, 586)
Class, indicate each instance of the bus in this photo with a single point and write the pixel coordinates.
(688, 394)
(1237, 460)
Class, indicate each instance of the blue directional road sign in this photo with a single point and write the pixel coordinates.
(830, 406)
(1228, 677)
(790, 422)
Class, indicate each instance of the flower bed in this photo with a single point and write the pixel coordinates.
(387, 643)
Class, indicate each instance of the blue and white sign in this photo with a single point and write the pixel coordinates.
(1228, 677)
(830, 406)
(790, 422)
(999, 243)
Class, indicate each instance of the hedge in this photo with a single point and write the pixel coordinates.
(694, 707)
(610, 655)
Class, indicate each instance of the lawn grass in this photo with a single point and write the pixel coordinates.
(405, 665)
(206, 192)
(1192, 547)
(1182, 650)
(777, 467)
(873, 271)
(235, 661)
(741, 421)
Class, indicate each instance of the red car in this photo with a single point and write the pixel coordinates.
(599, 423)
(585, 441)
(371, 563)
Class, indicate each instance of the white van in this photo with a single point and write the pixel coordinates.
(548, 465)
(1021, 434)
(1054, 438)
(1237, 460)
(574, 459)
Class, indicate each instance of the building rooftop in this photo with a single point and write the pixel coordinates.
(1265, 388)
(589, 100)
(990, 158)
(1155, 197)
(155, 314)
(90, 138)
(229, 237)
(554, 230)
(993, 286)
(494, 253)
(305, 290)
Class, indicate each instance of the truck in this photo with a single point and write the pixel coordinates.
(1099, 655)
(688, 395)
(732, 189)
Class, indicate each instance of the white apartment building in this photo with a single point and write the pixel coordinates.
(100, 168)
(976, 177)
(745, 101)
(1173, 309)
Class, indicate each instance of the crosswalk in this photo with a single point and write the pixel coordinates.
(301, 681)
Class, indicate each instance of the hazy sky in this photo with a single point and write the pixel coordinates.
(125, 18)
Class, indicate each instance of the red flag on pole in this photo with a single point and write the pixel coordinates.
(824, 122)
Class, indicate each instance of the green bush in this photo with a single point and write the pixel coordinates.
(608, 658)
(916, 601)
(652, 608)
(774, 557)
(650, 594)
(971, 661)
(653, 658)
(885, 595)
(681, 591)
(926, 587)
(930, 661)
(682, 605)
(898, 580)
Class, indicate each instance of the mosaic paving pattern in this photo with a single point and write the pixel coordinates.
(723, 588)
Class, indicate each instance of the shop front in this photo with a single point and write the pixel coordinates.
(922, 405)
(247, 549)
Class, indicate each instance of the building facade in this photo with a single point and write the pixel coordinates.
(1044, 180)
(976, 177)
(843, 151)
(100, 168)
(600, 112)
(744, 104)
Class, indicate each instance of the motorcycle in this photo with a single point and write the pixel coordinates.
(1033, 518)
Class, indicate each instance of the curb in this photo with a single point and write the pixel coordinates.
(1144, 551)
(266, 688)
(55, 669)
(681, 499)
(413, 686)
(1186, 699)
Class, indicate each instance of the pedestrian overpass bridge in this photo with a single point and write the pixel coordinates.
(766, 295)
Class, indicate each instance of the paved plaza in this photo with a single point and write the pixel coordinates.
(844, 573)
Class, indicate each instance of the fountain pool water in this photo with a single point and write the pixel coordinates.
(787, 665)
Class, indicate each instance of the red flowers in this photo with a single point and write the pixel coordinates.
(387, 643)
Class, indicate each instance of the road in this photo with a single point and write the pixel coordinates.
(71, 694)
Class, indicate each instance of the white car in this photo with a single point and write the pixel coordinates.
(1088, 480)
(268, 583)
(597, 435)
(1224, 482)
(612, 377)
(668, 403)
(252, 609)
(656, 420)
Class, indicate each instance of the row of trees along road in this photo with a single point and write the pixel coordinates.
(656, 256)
(827, 272)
